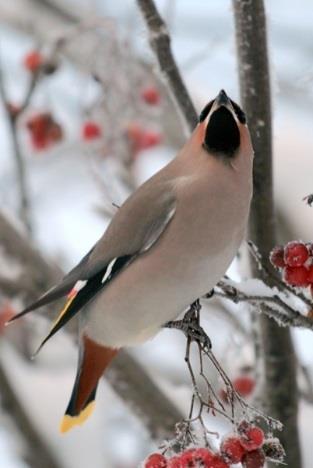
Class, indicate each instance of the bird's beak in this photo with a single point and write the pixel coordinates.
(222, 100)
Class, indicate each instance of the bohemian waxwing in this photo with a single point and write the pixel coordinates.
(167, 245)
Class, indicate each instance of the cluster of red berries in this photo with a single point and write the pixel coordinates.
(245, 447)
(295, 260)
(44, 131)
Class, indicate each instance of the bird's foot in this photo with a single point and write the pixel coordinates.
(191, 329)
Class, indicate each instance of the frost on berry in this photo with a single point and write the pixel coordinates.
(252, 438)
(274, 450)
(244, 385)
(277, 257)
(296, 276)
(196, 458)
(232, 450)
(155, 460)
(255, 459)
(295, 254)
(175, 462)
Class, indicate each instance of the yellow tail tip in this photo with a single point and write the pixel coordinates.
(68, 422)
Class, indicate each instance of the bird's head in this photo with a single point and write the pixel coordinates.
(224, 127)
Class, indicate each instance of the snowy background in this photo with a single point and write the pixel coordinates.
(65, 196)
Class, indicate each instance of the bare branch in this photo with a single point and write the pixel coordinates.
(160, 43)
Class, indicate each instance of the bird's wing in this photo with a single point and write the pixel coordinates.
(137, 225)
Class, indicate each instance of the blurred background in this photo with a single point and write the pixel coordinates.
(84, 119)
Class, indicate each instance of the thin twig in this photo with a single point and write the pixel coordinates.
(161, 44)
(289, 315)
(280, 391)
(24, 207)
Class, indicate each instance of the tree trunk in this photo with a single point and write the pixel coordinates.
(280, 393)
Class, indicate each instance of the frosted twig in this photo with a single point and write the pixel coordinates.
(283, 313)
(160, 43)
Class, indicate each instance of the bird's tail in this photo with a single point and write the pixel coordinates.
(93, 361)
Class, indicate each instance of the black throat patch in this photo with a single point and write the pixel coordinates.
(222, 135)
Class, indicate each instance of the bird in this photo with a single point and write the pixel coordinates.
(167, 245)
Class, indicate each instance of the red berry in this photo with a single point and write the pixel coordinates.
(156, 460)
(44, 130)
(296, 254)
(91, 130)
(140, 139)
(232, 450)
(203, 455)
(310, 274)
(33, 61)
(277, 257)
(39, 143)
(255, 459)
(6, 313)
(149, 139)
(150, 95)
(244, 385)
(196, 458)
(296, 276)
(175, 462)
(252, 438)
(217, 462)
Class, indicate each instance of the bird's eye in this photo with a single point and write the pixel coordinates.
(205, 112)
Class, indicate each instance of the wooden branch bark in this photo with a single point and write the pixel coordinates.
(281, 396)
(161, 44)
(127, 378)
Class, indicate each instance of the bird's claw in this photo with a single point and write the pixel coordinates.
(192, 330)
